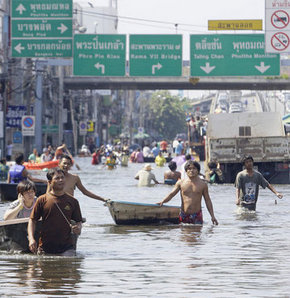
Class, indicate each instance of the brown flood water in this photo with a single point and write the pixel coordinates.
(245, 256)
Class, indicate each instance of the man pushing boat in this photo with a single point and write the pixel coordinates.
(57, 210)
(192, 190)
(73, 180)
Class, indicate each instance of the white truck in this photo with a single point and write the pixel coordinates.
(261, 135)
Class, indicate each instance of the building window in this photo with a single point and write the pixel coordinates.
(244, 131)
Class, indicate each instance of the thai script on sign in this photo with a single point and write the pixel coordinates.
(154, 47)
(280, 4)
(33, 27)
(14, 115)
(49, 46)
(208, 45)
(248, 45)
(49, 6)
(100, 45)
(235, 26)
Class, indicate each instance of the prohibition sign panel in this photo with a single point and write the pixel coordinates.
(280, 19)
(280, 41)
(28, 125)
(27, 122)
(83, 128)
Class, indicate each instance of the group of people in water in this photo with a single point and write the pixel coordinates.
(61, 214)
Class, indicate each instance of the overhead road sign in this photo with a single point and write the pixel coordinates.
(99, 55)
(41, 28)
(231, 55)
(41, 9)
(277, 30)
(215, 25)
(155, 55)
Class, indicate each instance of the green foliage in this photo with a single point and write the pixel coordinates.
(167, 116)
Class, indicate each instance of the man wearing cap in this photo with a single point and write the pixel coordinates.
(45, 156)
(145, 176)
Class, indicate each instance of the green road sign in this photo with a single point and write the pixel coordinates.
(99, 55)
(231, 55)
(50, 128)
(41, 9)
(46, 48)
(155, 55)
(41, 28)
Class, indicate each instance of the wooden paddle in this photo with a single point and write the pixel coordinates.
(78, 167)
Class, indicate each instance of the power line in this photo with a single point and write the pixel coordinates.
(138, 19)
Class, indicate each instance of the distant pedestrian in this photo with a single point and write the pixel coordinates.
(172, 176)
(9, 151)
(179, 148)
(160, 160)
(145, 176)
(139, 158)
(4, 170)
(45, 156)
(18, 172)
(163, 146)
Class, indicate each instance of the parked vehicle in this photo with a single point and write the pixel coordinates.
(262, 135)
(223, 101)
(236, 107)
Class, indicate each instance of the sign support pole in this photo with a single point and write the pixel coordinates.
(60, 107)
(38, 106)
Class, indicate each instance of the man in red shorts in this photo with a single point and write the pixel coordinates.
(192, 190)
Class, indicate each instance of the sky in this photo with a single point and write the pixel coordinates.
(195, 13)
(160, 16)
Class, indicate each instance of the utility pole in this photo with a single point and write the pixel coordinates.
(60, 106)
(38, 105)
(5, 8)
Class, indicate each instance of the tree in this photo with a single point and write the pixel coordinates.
(167, 114)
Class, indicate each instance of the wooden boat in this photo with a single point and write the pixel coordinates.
(13, 234)
(152, 159)
(8, 191)
(131, 213)
(41, 165)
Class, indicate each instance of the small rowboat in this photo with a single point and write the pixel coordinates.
(8, 191)
(130, 213)
(13, 234)
(41, 165)
(152, 159)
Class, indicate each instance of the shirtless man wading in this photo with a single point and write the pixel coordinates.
(72, 180)
(192, 190)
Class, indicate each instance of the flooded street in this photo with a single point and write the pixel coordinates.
(246, 255)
